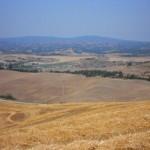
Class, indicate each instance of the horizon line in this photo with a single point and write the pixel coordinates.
(69, 37)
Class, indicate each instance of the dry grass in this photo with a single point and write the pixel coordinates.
(121, 57)
(43, 59)
(80, 126)
(54, 87)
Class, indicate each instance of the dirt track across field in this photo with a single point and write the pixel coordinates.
(75, 126)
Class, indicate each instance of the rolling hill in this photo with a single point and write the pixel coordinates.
(57, 45)
(61, 87)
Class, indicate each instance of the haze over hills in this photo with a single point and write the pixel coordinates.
(88, 44)
(74, 75)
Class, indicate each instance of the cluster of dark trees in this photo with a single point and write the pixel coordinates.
(26, 70)
(104, 73)
(8, 96)
(18, 67)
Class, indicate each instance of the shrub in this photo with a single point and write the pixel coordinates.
(8, 96)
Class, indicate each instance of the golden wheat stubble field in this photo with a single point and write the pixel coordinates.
(75, 126)
(57, 87)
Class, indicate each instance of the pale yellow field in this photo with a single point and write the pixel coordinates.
(119, 57)
(57, 87)
(80, 126)
(49, 59)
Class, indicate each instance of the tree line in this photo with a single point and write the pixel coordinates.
(104, 73)
(87, 73)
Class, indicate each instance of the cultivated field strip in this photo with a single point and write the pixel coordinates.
(60, 87)
(72, 126)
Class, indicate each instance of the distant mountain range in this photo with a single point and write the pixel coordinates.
(86, 44)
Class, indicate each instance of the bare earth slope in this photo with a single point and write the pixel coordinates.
(53, 87)
(80, 126)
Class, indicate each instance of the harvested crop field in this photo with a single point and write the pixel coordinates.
(57, 87)
(75, 126)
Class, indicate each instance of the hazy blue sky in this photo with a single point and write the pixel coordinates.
(127, 19)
